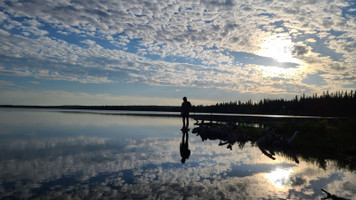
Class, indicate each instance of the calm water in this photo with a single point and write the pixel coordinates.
(57, 155)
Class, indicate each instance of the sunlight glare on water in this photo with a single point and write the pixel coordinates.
(279, 177)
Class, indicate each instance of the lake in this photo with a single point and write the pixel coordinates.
(53, 154)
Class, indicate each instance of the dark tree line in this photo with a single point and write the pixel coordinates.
(338, 103)
(327, 104)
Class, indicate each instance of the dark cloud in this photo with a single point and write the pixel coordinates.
(350, 47)
(327, 23)
(298, 181)
(219, 3)
(350, 78)
(300, 50)
(247, 8)
(350, 187)
(337, 66)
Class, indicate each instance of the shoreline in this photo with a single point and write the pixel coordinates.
(108, 110)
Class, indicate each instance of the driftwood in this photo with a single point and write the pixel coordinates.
(332, 196)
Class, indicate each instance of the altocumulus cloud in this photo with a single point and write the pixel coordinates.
(186, 43)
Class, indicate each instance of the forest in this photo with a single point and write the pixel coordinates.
(338, 103)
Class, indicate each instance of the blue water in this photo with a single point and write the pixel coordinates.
(50, 154)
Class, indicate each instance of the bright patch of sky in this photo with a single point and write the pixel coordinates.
(156, 52)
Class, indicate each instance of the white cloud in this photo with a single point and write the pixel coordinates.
(199, 34)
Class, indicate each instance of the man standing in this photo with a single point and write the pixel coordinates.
(185, 109)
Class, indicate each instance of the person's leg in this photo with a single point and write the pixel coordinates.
(183, 118)
(187, 117)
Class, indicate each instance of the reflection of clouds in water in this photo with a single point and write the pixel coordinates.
(22, 144)
(81, 119)
(336, 181)
(91, 167)
(347, 185)
(306, 180)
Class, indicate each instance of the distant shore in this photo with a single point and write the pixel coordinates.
(128, 108)
(337, 104)
(173, 111)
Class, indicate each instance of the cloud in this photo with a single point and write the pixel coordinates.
(6, 83)
(300, 50)
(169, 43)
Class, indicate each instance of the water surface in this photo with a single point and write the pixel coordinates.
(55, 155)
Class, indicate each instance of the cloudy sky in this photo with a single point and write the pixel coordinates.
(154, 52)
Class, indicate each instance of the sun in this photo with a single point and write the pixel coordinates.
(279, 47)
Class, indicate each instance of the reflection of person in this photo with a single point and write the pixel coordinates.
(185, 109)
(184, 146)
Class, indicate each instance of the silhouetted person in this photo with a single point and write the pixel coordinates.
(185, 109)
(184, 146)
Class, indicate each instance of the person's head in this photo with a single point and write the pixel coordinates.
(184, 98)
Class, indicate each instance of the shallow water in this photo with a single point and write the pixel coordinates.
(51, 154)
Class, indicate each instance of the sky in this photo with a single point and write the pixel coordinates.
(128, 52)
